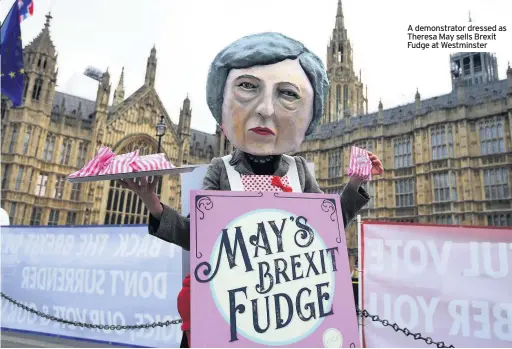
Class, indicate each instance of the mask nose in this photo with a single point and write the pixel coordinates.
(266, 105)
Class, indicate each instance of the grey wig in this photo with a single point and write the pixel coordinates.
(265, 49)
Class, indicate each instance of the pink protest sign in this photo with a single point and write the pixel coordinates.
(451, 284)
(269, 269)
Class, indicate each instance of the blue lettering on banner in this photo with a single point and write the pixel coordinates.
(106, 275)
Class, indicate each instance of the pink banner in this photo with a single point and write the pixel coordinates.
(452, 284)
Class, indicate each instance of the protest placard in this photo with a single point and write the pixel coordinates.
(99, 275)
(450, 283)
(270, 269)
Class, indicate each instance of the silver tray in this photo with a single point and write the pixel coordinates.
(171, 171)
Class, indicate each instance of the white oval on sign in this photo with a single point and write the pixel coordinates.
(320, 273)
(333, 338)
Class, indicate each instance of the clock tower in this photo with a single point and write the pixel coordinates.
(346, 97)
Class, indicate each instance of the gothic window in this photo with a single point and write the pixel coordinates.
(496, 184)
(466, 65)
(329, 116)
(446, 220)
(197, 149)
(12, 212)
(19, 178)
(404, 192)
(58, 190)
(477, 63)
(48, 92)
(75, 192)
(367, 144)
(334, 164)
(500, 220)
(44, 64)
(338, 101)
(369, 187)
(123, 206)
(53, 219)
(345, 98)
(42, 181)
(340, 53)
(402, 152)
(442, 142)
(209, 153)
(82, 154)
(4, 108)
(140, 117)
(26, 140)
(14, 137)
(28, 178)
(36, 92)
(49, 146)
(66, 152)
(445, 188)
(71, 218)
(27, 83)
(5, 175)
(492, 140)
(35, 217)
(39, 62)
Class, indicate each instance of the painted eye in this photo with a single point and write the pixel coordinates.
(247, 85)
(289, 93)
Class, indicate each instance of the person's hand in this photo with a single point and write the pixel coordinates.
(140, 185)
(146, 192)
(377, 168)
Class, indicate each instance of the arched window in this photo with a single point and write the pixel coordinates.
(26, 140)
(209, 153)
(329, 117)
(123, 206)
(4, 110)
(27, 82)
(14, 138)
(36, 92)
(140, 117)
(345, 98)
(48, 92)
(338, 101)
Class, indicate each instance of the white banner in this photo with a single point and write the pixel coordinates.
(452, 284)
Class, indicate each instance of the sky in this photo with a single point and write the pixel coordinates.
(188, 34)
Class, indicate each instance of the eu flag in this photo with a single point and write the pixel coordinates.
(11, 54)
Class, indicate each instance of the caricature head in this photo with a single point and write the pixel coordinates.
(267, 91)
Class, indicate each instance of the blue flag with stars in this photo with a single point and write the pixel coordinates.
(11, 54)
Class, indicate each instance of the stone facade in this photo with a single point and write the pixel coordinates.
(54, 134)
(447, 158)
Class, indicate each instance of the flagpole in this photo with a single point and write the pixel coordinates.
(8, 13)
(359, 279)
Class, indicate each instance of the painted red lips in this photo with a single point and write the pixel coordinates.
(264, 131)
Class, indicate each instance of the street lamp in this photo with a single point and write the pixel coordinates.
(160, 131)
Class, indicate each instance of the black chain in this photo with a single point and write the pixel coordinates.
(416, 336)
(364, 313)
(86, 325)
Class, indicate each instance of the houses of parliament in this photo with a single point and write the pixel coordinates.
(447, 159)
